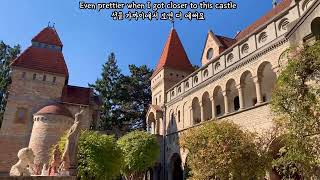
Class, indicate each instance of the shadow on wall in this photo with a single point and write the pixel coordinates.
(174, 170)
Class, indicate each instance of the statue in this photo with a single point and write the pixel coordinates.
(54, 165)
(45, 170)
(69, 157)
(25, 163)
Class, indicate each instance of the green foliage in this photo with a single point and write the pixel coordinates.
(222, 150)
(140, 150)
(106, 89)
(61, 145)
(296, 98)
(7, 55)
(125, 98)
(99, 157)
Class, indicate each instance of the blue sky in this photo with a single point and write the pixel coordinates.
(89, 36)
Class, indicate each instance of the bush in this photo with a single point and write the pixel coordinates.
(141, 151)
(222, 150)
(99, 157)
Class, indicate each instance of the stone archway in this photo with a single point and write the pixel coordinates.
(248, 89)
(218, 102)
(233, 96)
(267, 78)
(151, 124)
(196, 111)
(315, 28)
(176, 167)
(207, 106)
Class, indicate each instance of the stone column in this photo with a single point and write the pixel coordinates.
(214, 113)
(201, 112)
(226, 103)
(257, 82)
(191, 115)
(241, 100)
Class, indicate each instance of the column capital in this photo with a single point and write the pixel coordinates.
(257, 79)
(211, 98)
(225, 92)
(240, 86)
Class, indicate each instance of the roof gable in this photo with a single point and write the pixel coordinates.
(173, 55)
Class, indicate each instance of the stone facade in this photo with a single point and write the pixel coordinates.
(234, 83)
(40, 79)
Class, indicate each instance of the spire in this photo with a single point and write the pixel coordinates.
(48, 36)
(274, 3)
(173, 55)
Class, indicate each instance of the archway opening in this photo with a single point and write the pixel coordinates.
(176, 167)
(248, 89)
(196, 111)
(267, 80)
(218, 101)
(207, 106)
(151, 124)
(315, 28)
(233, 96)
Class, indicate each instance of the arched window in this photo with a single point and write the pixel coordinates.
(178, 116)
(172, 118)
(245, 49)
(156, 101)
(206, 73)
(172, 93)
(179, 89)
(306, 4)
(23, 75)
(21, 115)
(230, 58)
(209, 53)
(263, 37)
(187, 84)
(283, 25)
(217, 66)
(195, 79)
(34, 76)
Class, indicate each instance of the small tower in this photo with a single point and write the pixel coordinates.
(172, 67)
(38, 76)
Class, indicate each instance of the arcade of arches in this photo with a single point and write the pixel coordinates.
(251, 91)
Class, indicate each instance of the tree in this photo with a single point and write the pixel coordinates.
(99, 157)
(141, 150)
(7, 55)
(296, 99)
(222, 150)
(106, 89)
(134, 95)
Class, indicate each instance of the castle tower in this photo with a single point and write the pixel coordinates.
(50, 124)
(38, 77)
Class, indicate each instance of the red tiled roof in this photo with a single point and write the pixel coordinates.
(276, 10)
(48, 36)
(226, 41)
(76, 95)
(56, 109)
(173, 55)
(43, 59)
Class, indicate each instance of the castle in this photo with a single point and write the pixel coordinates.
(41, 105)
(235, 81)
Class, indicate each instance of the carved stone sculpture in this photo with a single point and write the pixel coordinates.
(56, 160)
(45, 170)
(25, 163)
(69, 157)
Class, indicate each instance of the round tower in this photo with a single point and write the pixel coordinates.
(50, 123)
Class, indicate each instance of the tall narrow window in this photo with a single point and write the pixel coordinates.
(178, 116)
(44, 78)
(34, 76)
(24, 75)
(21, 115)
(218, 110)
